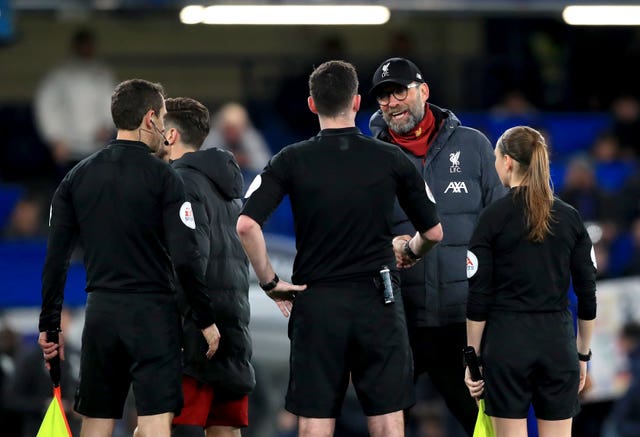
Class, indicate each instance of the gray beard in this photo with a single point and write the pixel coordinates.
(403, 128)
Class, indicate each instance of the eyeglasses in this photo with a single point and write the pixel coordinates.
(399, 93)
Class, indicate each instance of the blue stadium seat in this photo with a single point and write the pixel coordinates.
(611, 176)
(21, 269)
(571, 133)
(558, 170)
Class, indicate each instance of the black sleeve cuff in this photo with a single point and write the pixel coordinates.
(203, 320)
(586, 308)
(49, 325)
(195, 291)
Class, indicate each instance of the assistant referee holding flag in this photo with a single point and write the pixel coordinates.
(129, 211)
(526, 249)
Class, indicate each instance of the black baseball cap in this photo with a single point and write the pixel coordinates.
(395, 70)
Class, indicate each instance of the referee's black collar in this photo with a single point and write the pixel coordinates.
(134, 144)
(354, 130)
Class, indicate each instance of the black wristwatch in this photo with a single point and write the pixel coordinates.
(270, 285)
(584, 357)
(410, 254)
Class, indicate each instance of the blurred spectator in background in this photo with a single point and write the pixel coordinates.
(606, 148)
(624, 420)
(28, 393)
(626, 123)
(514, 103)
(232, 130)
(9, 349)
(629, 199)
(72, 104)
(27, 218)
(582, 192)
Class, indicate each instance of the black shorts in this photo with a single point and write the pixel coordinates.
(130, 339)
(531, 359)
(344, 330)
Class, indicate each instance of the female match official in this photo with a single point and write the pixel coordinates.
(525, 249)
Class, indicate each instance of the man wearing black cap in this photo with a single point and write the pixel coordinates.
(457, 163)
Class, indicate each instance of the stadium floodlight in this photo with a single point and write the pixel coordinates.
(601, 15)
(192, 14)
(286, 14)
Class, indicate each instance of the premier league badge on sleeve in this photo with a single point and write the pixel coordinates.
(186, 215)
(472, 264)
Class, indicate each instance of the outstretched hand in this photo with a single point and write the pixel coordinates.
(283, 295)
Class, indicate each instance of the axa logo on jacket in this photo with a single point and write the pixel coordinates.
(456, 187)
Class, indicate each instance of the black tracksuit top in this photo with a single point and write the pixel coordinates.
(507, 272)
(130, 213)
(342, 186)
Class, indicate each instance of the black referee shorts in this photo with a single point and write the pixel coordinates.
(130, 339)
(531, 359)
(342, 331)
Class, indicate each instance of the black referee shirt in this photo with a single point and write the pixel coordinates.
(510, 273)
(342, 186)
(129, 210)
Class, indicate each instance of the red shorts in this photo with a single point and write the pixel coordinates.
(202, 408)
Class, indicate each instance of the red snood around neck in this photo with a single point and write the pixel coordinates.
(417, 141)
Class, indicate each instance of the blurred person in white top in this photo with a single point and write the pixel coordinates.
(72, 103)
(231, 129)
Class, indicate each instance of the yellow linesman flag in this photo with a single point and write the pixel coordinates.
(55, 422)
(484, 427)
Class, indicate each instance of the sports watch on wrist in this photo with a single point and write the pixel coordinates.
(410, 254)
(584, 357)
(270, 285)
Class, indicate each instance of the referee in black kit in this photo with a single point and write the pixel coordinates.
(342, 187)
(524, 251)
(129, 211)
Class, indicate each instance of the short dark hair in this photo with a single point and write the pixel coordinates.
(332, 86)
(190, 118)
(132, 99)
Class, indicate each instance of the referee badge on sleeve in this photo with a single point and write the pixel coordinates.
(472, 264)
(186, 215)
(429, 193)
(255, 184)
